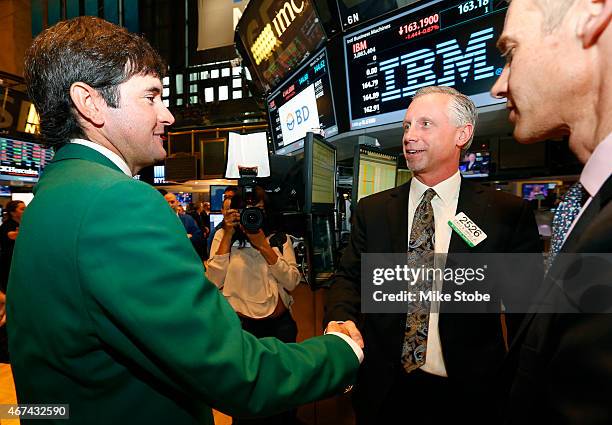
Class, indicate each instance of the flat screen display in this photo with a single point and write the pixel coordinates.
(356, 12)
(537, 190)
(216, 197)
(320, 174)
(438, 42)
(278, 35)
(22, 161)
(323, 174)
(373, 172)
(301, 104)
(475, 164)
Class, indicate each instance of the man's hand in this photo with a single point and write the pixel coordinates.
(348, 328)
(2, 309)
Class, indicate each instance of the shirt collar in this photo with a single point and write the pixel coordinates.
(112, 156)
(447, 190)
(598, 168)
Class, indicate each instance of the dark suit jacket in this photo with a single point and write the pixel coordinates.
(560, 366)
(130, 335)
(472, 344)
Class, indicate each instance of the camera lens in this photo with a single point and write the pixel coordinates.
(252, 219)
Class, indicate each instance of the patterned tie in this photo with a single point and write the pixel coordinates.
(566, 213)
(420, 253)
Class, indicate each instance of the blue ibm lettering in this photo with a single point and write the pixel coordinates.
(419, 65)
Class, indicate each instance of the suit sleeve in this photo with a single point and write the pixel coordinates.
(343, 298)
(149, 301)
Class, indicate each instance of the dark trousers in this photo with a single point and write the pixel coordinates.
(284, 328)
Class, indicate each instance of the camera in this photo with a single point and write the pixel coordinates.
(251, 217)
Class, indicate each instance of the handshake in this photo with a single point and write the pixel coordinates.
(347, 328)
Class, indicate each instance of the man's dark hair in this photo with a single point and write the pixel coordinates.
(163, 192)
(84, 49)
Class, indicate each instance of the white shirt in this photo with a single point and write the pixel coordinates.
(248, 282)
(112, 156)
(444, 205)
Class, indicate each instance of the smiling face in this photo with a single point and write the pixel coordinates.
(432, 142)
(136, 126)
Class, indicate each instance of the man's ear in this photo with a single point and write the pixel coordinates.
(595, 23)
(465, 134)
(88, 103)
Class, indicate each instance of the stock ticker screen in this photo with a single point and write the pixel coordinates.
(440, 42)
(302, 103)
(22, 161)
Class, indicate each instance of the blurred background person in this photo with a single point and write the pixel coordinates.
(255, 272)
(193, 231)
(8, 233)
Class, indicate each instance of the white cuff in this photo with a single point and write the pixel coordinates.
(356, 348)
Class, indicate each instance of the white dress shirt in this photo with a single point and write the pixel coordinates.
(112, 156)
(444, 205)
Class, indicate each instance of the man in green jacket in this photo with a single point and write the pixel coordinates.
(108, 307)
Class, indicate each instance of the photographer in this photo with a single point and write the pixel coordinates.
(255, 270)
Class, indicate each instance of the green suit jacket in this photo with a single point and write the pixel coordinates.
(110, 312)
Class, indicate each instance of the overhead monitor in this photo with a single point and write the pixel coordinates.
(5, 191)
(440, 42)
(22, 161)
(278, 35)
(320, 174)
(357, 12)
(475, 164)
(247, 151)
(373, 172)
(303, 103)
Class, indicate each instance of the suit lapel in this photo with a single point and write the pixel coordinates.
(397, 216)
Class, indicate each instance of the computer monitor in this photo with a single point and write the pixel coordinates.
(247, 150)
(216, 197)
(320, 174)
(475, 164)
(538, 190)
(373, 172)
(321, 244)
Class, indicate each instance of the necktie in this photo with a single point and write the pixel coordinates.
(420, 253)
(566, 213)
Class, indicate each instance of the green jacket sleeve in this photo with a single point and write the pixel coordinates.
(148, 299)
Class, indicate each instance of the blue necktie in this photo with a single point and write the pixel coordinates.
(566, 213)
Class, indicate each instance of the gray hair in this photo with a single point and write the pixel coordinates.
(461, 108)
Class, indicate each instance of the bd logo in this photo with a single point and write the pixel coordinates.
(301, 116)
